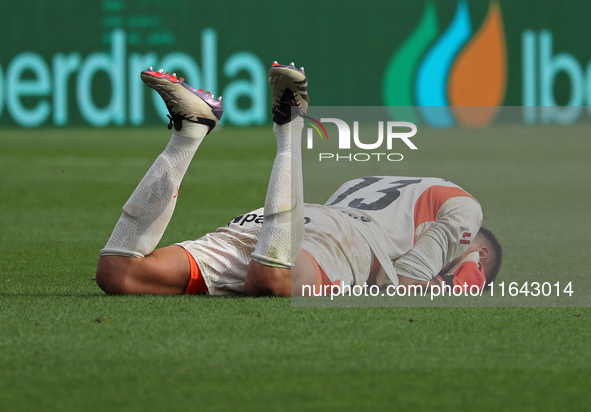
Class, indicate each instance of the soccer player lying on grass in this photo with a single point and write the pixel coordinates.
(380, 230)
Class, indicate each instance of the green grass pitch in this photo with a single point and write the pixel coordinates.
(65, 346)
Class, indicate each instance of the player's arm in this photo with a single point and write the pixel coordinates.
(446, 239)
(468, 273)
(405, 282)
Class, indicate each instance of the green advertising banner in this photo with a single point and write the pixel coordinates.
(78, 63)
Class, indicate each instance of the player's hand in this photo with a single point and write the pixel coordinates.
(468, 274)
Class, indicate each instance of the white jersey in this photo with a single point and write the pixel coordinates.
(421, 223)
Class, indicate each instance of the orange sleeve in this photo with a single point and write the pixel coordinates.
(428, 204)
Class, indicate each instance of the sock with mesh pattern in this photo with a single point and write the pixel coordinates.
(281, 236)
(149, 209)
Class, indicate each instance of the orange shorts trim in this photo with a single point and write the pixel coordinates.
(197, 284)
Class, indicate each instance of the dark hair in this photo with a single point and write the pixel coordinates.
(492, 265)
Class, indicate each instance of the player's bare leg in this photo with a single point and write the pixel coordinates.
(128, 263)
(275, 261)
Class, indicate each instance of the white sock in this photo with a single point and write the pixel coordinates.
(149, 209)
(281, 236)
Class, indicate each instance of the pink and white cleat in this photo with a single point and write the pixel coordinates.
(182, 101)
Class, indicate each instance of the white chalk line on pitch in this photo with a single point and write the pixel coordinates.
(27, 161)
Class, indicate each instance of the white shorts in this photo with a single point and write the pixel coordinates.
(329, 237)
